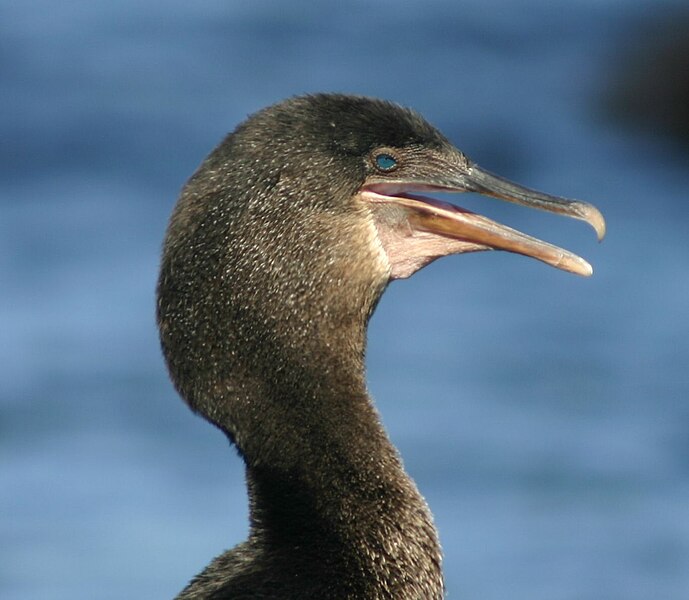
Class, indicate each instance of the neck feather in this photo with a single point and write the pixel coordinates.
(326, 484)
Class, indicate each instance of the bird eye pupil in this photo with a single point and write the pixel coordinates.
(386, 162)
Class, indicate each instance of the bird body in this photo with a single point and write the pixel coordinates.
(276, 254)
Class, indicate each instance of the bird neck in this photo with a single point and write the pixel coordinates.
(323, 476)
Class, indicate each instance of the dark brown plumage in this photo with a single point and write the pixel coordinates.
(276, 255)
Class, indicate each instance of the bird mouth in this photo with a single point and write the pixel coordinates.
(414, 229)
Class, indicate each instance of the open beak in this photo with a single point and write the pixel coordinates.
(415, 230)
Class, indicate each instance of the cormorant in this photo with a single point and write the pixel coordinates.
(276, 254)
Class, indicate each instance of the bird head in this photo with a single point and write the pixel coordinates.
(289, 231)
(336, 155)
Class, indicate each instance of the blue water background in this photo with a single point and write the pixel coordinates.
(544, 416)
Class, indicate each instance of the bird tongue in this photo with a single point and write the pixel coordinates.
(415, 230)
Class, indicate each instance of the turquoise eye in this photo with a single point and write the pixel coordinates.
(385, 162)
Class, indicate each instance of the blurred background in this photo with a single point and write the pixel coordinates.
(545, 417)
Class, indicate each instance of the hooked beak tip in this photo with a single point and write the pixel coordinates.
(590, 214)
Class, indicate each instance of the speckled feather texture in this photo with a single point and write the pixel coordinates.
(271, 269)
